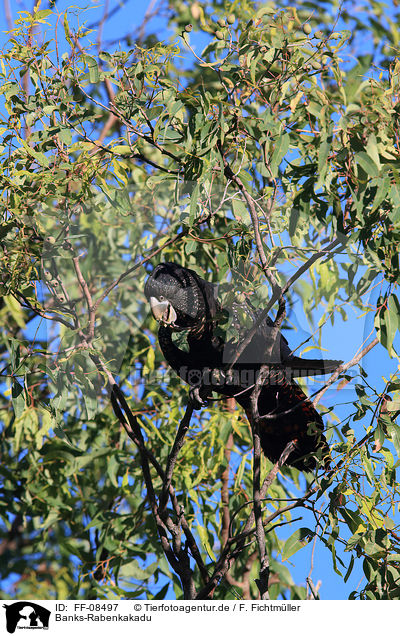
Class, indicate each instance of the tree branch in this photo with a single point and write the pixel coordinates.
(173, 456)
(262, 582)
(230, 553)
(344, 367)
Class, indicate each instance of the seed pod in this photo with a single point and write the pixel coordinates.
(231, 19)
(221, 22)
(307, 28)
(219, 35)
(195, 11)
(188, 28)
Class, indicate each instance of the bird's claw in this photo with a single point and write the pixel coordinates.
(198, 397)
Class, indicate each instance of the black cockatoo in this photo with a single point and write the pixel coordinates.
(181, 301)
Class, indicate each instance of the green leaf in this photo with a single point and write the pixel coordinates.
(323, 160)
(240, 211)
(353, 520)
(150, 358)
(393, 320)
(387, 323)
(18, 399)
(393, 406)
(190, 247)
(174, 108)
(204, 538)
(112, 469)
(349, 569)
(240, 473)
(65, 135)
(395, 198)
(281, 148)
(394, 432)
(372, 151)
(367, 164)
(43, 13)
(160, 596)
(193, 208)
(296, 541)
(67, 30)
(382, 190)
(94, 75)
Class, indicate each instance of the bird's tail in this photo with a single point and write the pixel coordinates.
(304, 367)
(291, 417)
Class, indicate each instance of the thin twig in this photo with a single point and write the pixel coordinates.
(225, 525)
(173, 456)
(344, 367)
(177, 557)
(313, 589)
(88, 297)
(275, 297)
(262, 581)
(230, 552)
(8, 14)
(153, 252)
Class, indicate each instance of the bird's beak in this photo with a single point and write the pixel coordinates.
(162, 311)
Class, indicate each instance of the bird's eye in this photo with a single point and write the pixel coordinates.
(161, 298)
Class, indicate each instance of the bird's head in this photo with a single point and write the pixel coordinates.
(178, 297)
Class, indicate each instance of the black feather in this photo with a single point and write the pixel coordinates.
(205, 362)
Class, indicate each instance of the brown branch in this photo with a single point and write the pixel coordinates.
(27, 75)
(257, 235)
(99, 146)
(147, 16)
(344, 367)
(313, 589)
(177, 556)
(277, 293)
(230, 553)
(101, 24)
(27, 304)
(153, 252)
(247, 531)
(115, 111)
(262, 582)
(179, 563)
(89, 301)
(8, 14)
(268, 417)
(311, 261)
(173, 456)
(112, 119)
(226, 518)
(120, 5)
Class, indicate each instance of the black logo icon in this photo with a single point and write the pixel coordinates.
(194, 377)
(26, 615)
